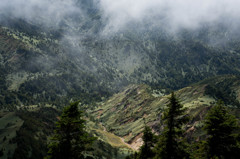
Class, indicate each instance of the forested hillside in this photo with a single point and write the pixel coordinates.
(121, 60)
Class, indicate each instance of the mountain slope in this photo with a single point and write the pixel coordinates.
(125, 113)
(73, 59)
(119, 121)
(67, 51)
(26, 134)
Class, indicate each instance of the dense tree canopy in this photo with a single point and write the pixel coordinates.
(220, 126)
(149, 139)
(171, 144)
(70, 140)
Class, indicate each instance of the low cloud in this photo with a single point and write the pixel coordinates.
(39, 11)
(118, 15)
(175, 14)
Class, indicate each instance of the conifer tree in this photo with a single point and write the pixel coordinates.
(171, 144)
(70, 140)
(220, 126)
(149, 139)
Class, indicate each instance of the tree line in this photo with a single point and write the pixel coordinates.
(71, 140)
(222, 136)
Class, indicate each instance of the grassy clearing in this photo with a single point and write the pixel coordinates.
(100, 131)
(108, 144)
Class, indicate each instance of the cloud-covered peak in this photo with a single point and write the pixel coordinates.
(175, 13)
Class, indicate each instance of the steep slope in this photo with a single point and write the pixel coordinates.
(119, 121)
(126, 113)
(47, 61)
(73, 59)
(35, 70)
(26, 133)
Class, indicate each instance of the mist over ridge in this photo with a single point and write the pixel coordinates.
(97, 47)
(176, 14)
(118, 15)
(119, 58)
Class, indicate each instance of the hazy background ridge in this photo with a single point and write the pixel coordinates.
(174, 14)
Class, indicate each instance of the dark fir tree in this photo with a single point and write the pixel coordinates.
(149, 139)
(220, 126)
(133, 156)
(171, 144)
(70, 140)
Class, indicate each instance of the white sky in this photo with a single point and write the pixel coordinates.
(119, 13)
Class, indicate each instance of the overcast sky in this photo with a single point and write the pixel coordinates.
(119, 13)
(178, 13)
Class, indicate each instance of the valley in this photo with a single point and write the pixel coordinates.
(122, 74)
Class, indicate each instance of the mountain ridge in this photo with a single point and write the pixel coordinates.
(122, 75)
(98, 67)
(126, 113)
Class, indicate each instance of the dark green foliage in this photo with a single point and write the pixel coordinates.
(105, 150)
(59, 71)
(171, 144)
(149, 139)
(146, 150)
(1, 153)
(4, 138)
(133, 156)
(22, 25)
(197, 150)
(50, 63)
(221, 89)
(70, 140)
(220, 126)
(31, 138)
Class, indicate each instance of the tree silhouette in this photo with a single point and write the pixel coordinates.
(171, 144)
(149, 139)
(70, 140)
(220, 126)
